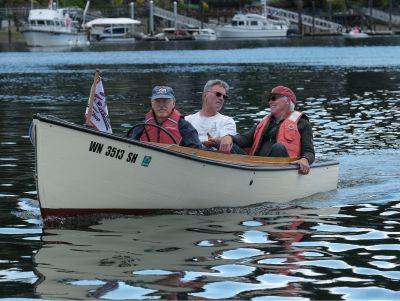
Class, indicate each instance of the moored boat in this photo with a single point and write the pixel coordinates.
(83, 171)
(246, 26)
(54, 27)
(172, 33)
(115, 30)
(205, 34)
(356, 33)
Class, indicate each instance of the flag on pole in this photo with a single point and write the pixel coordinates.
(98, 107)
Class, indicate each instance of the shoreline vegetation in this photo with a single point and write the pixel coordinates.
(16, 36)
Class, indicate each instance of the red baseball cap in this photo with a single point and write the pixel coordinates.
(285, 91)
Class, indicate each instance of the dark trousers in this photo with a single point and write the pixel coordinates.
(277, 150)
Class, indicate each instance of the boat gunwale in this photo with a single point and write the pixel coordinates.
(235, 165)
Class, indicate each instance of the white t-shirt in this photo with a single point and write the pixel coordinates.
(217, 126)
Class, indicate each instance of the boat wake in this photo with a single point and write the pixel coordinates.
(364, 177)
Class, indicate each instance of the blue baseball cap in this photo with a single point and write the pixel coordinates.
(162, 92)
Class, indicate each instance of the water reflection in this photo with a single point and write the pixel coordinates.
(330, 41)
(280, 252)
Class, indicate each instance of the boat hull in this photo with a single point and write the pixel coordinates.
(51, 38)
(81, 171)
(204, 37)
(355, 35)
(241, 33)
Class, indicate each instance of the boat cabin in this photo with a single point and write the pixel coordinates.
(112, 29)
(57, 20)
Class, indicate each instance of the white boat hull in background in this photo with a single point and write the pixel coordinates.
(44, 39)
(83, 171)
(243, 33)
(205, 34)
(355, 35)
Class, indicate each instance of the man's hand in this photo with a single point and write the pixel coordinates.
(225, 144)
(211, 142)
(304, 166)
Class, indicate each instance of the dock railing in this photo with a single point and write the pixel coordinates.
(180, 19)
(381, 16)
(279, 13)
(307, 20)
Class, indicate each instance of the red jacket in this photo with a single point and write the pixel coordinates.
(288, 134)
(159, 136)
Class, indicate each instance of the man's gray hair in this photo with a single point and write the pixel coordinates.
(213, 82)
(291, 104)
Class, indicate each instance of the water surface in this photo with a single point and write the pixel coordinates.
(333, 246)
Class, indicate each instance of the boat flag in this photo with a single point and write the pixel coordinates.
(97, 107)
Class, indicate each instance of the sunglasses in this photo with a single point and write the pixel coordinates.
(275, 97)
(219, 94)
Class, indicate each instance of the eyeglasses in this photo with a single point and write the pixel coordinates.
(276, 97)
(219, 94)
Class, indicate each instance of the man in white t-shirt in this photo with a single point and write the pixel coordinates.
(208, 121)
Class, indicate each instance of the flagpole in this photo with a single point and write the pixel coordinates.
(91, 98)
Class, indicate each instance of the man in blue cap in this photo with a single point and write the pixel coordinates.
(163, 114)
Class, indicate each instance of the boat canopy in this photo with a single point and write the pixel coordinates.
(112, 21)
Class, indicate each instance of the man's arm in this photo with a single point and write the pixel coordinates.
(228, 127)
(245, 139)
(307, 143)
(136, 133)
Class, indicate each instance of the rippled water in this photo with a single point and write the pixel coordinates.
(339, 245)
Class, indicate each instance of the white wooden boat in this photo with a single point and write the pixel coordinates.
(82, 171)
(112, 29)
(53, 27)
(205, 34)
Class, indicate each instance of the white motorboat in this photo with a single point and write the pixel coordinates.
(83, 171)
(253, 26)
(112, 29)
(53, 27)
(247, 26)
(205, 34)
(356, 33)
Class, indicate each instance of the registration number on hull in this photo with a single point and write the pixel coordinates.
(117, 153)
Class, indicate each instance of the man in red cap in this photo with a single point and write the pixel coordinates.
(283, 133)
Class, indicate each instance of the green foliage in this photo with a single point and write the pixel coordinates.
(98, 4)
(336, 4)
(71, 3)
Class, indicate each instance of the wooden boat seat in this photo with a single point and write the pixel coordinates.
(230, 158)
